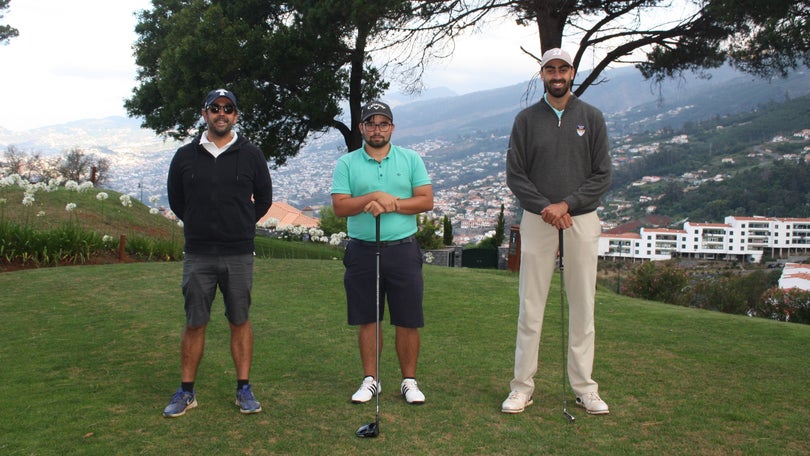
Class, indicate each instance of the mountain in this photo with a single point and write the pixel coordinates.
(463, 137)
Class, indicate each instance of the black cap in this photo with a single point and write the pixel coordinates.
(374, 108)
(214, 94)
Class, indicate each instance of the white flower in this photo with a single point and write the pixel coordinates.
(41, 214)
(336, 238)
(86, 185)
(106, 239)
(429, 257)
(154, 199)
(71, 185)
(55, 182)
(101, 196)
(70, 207)
(180, 223)
(269, 223)
(14, 180)
(28, 200)
(126, 201)
(153, 210)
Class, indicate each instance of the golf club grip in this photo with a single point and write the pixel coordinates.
(560, 232)
(377, 229)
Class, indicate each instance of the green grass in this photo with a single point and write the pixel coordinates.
(46, 234)
(90, 357)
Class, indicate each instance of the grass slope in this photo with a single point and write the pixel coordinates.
(90, 356)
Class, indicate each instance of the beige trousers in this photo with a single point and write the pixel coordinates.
(538, 253)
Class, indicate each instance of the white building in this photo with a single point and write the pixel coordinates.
(795, 275)
(738, 238)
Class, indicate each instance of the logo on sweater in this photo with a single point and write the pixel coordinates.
(580, 130)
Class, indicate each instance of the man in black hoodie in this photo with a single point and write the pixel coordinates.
(219, 186)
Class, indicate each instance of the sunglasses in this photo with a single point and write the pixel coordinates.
(215, 108)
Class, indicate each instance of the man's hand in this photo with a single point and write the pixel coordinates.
(381, 204)
(557, 215)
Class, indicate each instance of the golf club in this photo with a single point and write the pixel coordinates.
(567, 415)
(373, 429)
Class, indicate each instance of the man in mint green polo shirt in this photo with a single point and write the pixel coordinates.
(389, 181)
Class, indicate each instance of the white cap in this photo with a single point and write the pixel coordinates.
(556, 54)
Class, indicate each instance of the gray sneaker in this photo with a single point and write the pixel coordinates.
(179, 403)
(246, 401)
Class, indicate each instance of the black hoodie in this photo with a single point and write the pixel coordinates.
(219, 199)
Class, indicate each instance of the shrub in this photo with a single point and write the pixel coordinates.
(781, 304)
(657, 281)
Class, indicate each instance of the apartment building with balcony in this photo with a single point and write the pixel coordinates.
(738, 238)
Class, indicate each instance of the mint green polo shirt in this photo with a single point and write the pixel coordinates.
(357, 174)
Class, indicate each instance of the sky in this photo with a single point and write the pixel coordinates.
(73, 60)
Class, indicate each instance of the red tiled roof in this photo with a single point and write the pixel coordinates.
(288, 215)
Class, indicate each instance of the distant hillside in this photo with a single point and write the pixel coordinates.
(464, 137)
(752, 163)
(631, 105)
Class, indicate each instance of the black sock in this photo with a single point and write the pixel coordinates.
(187, 386)
(241, 383)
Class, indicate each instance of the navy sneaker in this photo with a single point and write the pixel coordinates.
(246, 401)
(180, 402)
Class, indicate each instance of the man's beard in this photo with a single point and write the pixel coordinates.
(220, 130)
(557, 92)
(377, 141)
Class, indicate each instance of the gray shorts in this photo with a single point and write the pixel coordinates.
(201, 276)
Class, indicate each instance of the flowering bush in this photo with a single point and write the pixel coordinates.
(792, 304)
(302, 233)
(269, 223)
(429, 257)
(46, 242)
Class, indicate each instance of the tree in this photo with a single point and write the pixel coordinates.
(14, 160)
(500, 230)
(79, 166)
(447, 230)
(75, 165)
(661, 40)
(292, 64)
(7, 32)
(426, 235)
(100, 171)
(330, 223)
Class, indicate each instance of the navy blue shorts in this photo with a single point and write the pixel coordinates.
(400, 283)
(201, 276)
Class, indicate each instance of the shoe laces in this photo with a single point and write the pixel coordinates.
(409, 384)
(180, 395)
(593, 396)
(370, 384)
(515, 395)
(246, 394)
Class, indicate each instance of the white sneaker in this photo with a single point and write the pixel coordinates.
(411, 391)
(516, 402)
(367, 390)
(593, 404)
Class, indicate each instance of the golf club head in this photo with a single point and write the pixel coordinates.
(567, 415)
(368, 430)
